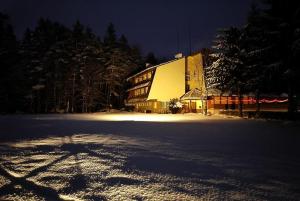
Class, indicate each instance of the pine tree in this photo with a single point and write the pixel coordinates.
(41, 63)
(276, 31)
(93, 73)
(10, 77)
(63, 70)
(151, 59)
(228, 72)
(120, 61)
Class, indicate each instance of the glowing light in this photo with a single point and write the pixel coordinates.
(253, 100)
(151, 117)
(273, 101)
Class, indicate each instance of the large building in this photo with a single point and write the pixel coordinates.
(183, 78)
(153, 88)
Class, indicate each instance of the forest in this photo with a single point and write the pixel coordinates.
(58, 69)
(261, 57)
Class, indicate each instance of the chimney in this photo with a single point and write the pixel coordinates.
(178, 55)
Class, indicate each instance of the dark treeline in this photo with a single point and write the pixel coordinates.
(57, 69)
(262, 56)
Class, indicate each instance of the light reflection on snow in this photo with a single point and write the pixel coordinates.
(152, 117)
(131, 116)
(115, 167)
(92, 166)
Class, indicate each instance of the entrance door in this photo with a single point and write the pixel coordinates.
(193, 106)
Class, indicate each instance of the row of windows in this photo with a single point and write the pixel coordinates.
(143, 77)
(144, 104)
(141, 91)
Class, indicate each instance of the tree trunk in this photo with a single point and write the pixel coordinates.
(291, 102)
(38, 101)
(54, 97)
(240, 103)
(73, 93)
(47, 102)
(68, 106)
(257, 95)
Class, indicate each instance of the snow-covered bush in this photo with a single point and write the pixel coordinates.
(175, 105)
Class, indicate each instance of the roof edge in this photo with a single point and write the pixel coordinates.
(152, 67)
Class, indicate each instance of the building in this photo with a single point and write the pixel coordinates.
(153, 88)
(183, 78)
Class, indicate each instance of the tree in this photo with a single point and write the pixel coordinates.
(262, 59)
(10, 76)
(93, 73)
(279, 22)
(228, 72)
(120, 61)
(56, 69)
(41, 51)
(151, 59)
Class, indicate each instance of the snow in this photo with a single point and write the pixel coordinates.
(134, 156)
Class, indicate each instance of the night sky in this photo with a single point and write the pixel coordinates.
(160, 26)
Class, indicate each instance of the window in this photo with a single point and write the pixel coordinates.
(187, 76)
(187, 87)
(137, 92)
(149, 75)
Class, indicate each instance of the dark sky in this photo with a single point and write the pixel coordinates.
(153, 25)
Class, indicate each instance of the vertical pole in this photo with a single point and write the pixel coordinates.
(177, 40)
(190, 39)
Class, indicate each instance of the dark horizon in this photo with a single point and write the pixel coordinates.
(159, 27)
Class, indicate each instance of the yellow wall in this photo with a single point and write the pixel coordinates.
(168, 81)
(195, 70)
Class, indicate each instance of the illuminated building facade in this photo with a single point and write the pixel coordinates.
(153, 88)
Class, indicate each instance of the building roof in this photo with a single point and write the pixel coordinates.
(139, 86)
(135, 100)
(213, 92)
(194, 94)
(152, 67)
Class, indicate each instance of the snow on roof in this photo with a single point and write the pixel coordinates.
(135, 100)
(139, 86)
(213, 92)
(152, 67)
(194, 94)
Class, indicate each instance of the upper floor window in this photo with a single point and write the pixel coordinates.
(187, 76)
(149, 75)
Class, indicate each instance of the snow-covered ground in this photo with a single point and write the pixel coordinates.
(147, 157)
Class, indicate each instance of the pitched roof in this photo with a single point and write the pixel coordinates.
(152, 67)
(139, 86)
(194, 94)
